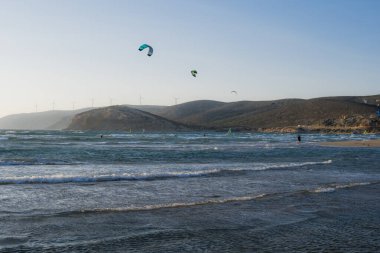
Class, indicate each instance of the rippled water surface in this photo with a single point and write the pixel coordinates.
(186, 192)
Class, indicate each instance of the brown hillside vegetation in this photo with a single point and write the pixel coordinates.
(191, 111)
(332, 114)
(338, 112)
(122, 118)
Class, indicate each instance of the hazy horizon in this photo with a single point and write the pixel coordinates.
(66, 55)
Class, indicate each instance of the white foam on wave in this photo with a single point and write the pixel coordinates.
(58, 178)
(267, 166)
(61, 178)
(323, 189)
(176, 204)
(180, 172)
(333, 187)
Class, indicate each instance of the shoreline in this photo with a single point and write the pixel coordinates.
(363, 143)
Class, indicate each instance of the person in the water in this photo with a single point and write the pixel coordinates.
(299, 138)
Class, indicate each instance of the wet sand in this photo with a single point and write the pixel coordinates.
(364, 143)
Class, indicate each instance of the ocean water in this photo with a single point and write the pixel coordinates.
(72, 191)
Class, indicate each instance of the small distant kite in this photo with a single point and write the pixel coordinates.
(234, 91)
(194, 73)
(143, 46)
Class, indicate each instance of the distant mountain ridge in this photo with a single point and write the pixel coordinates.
(49, 120)
(326, 112)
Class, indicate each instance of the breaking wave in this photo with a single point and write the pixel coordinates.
(215, 200)
(67, 178)
(333, 187)
(173, 205)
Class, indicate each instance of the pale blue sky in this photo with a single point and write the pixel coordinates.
(68, 52)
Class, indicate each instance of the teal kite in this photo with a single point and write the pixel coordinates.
(194, 73)
(143, 46)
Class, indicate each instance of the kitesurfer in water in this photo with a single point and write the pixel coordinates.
(299, 138)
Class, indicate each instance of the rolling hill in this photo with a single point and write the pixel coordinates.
(123, 118)
(328, 111)
(347, 112)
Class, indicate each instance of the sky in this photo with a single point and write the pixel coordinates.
(70, 54)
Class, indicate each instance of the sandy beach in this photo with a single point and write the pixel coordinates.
(364, 143)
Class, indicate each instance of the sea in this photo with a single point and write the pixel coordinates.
(79, 191)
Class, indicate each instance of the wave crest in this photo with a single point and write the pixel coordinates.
(333, 187)
(70, 178)
(173, 205)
